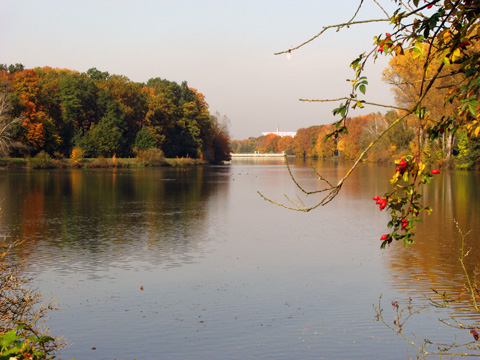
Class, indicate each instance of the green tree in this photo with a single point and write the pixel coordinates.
(95, 74)
(79, 96)
(107, 136)
(132, 101)
(144, 140)
(12, 68)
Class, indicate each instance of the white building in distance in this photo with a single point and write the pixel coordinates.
(280, 133)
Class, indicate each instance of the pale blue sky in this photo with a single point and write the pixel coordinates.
(224, 48)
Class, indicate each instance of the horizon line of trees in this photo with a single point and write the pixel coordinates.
(271, 143)
(459, 150)
(106, 115)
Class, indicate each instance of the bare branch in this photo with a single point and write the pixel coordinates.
(352, 99)
(356, 12)
(380, 6)
(325, 28)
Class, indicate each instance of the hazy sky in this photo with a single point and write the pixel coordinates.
(224, 48)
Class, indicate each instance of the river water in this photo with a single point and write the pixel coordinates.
(193, 264)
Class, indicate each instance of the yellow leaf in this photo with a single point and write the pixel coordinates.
(447, 36)
(398, 50)
(477, 130)
(456, 53)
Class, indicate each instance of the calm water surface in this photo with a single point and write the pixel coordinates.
(225, 274)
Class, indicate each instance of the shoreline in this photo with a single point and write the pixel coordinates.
(92, 163)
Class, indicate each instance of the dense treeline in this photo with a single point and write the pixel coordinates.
(106, 115)
(271, 144)
(460, 150)
(362, 130)
(456, 149)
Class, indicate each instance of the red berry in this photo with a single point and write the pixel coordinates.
(435, 172)
(404, 220)
(384, 237)
(383, 203)
(376, 198)
(430, 6)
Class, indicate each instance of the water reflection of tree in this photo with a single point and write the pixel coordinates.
(432, 262)
(110, 217)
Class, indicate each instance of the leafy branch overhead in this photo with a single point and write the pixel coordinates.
(433, 50)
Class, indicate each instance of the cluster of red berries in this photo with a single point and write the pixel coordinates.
(388, 237)
(402, 166)
(388, 42)
(380, 201)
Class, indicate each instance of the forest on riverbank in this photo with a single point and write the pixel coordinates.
(57, 111)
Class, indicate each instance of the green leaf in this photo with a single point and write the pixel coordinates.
(44, 339)
(363, 89)
(8, 339)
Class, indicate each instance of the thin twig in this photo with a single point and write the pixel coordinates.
(356, 12)
(349, 98)
(380, 6)
(325, 28)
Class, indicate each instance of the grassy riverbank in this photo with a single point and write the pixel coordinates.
(50, 163)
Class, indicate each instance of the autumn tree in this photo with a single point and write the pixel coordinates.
(304, 143)
(325, 147)
(27, 87)
(405, 75)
